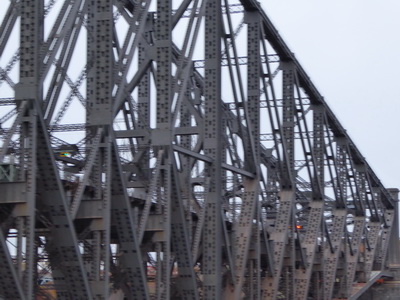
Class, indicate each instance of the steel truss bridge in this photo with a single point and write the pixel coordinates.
(175, 150)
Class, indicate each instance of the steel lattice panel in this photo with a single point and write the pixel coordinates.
(174, 150)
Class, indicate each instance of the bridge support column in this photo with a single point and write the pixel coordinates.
(394, 246)
(389, 290)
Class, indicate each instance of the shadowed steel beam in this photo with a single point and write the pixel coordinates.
(279, 239)
(134, 278)
(212, 231)
(10, 285)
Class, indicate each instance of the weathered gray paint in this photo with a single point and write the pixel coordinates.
(203, 151)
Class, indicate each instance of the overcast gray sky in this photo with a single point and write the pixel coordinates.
(351, 51)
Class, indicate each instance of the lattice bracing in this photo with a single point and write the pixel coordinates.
(174, 150)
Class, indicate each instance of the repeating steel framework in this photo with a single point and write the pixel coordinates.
(174, 150)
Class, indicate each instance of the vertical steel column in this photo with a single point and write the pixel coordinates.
(393, 259)
(130, 263)
(29, 89)
(287, 287)
(258, 232)
(212, 232)
(100, 59)
(288, 180)
(372, 238)
(243, 230)
(101, 283)
(279, 238)
(31, 39)
(19, 224)
(333, 250)
(318, 151)
(353, 249)
(280, 234)
(186, 282)
(284, 218)
(253, 85)
(143, 121)
(161, 139)
(163, 43)
(303, 275)
(382, 251)
(29, 137)
(185, 161)
(100, 83)
(244, 226)
(287, 127)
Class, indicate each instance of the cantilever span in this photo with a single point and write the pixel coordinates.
(175, 150)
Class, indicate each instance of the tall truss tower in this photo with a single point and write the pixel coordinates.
(174, 150)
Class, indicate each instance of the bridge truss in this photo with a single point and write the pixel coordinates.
(174, 150)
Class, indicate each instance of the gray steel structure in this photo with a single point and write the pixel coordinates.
(175, 150)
